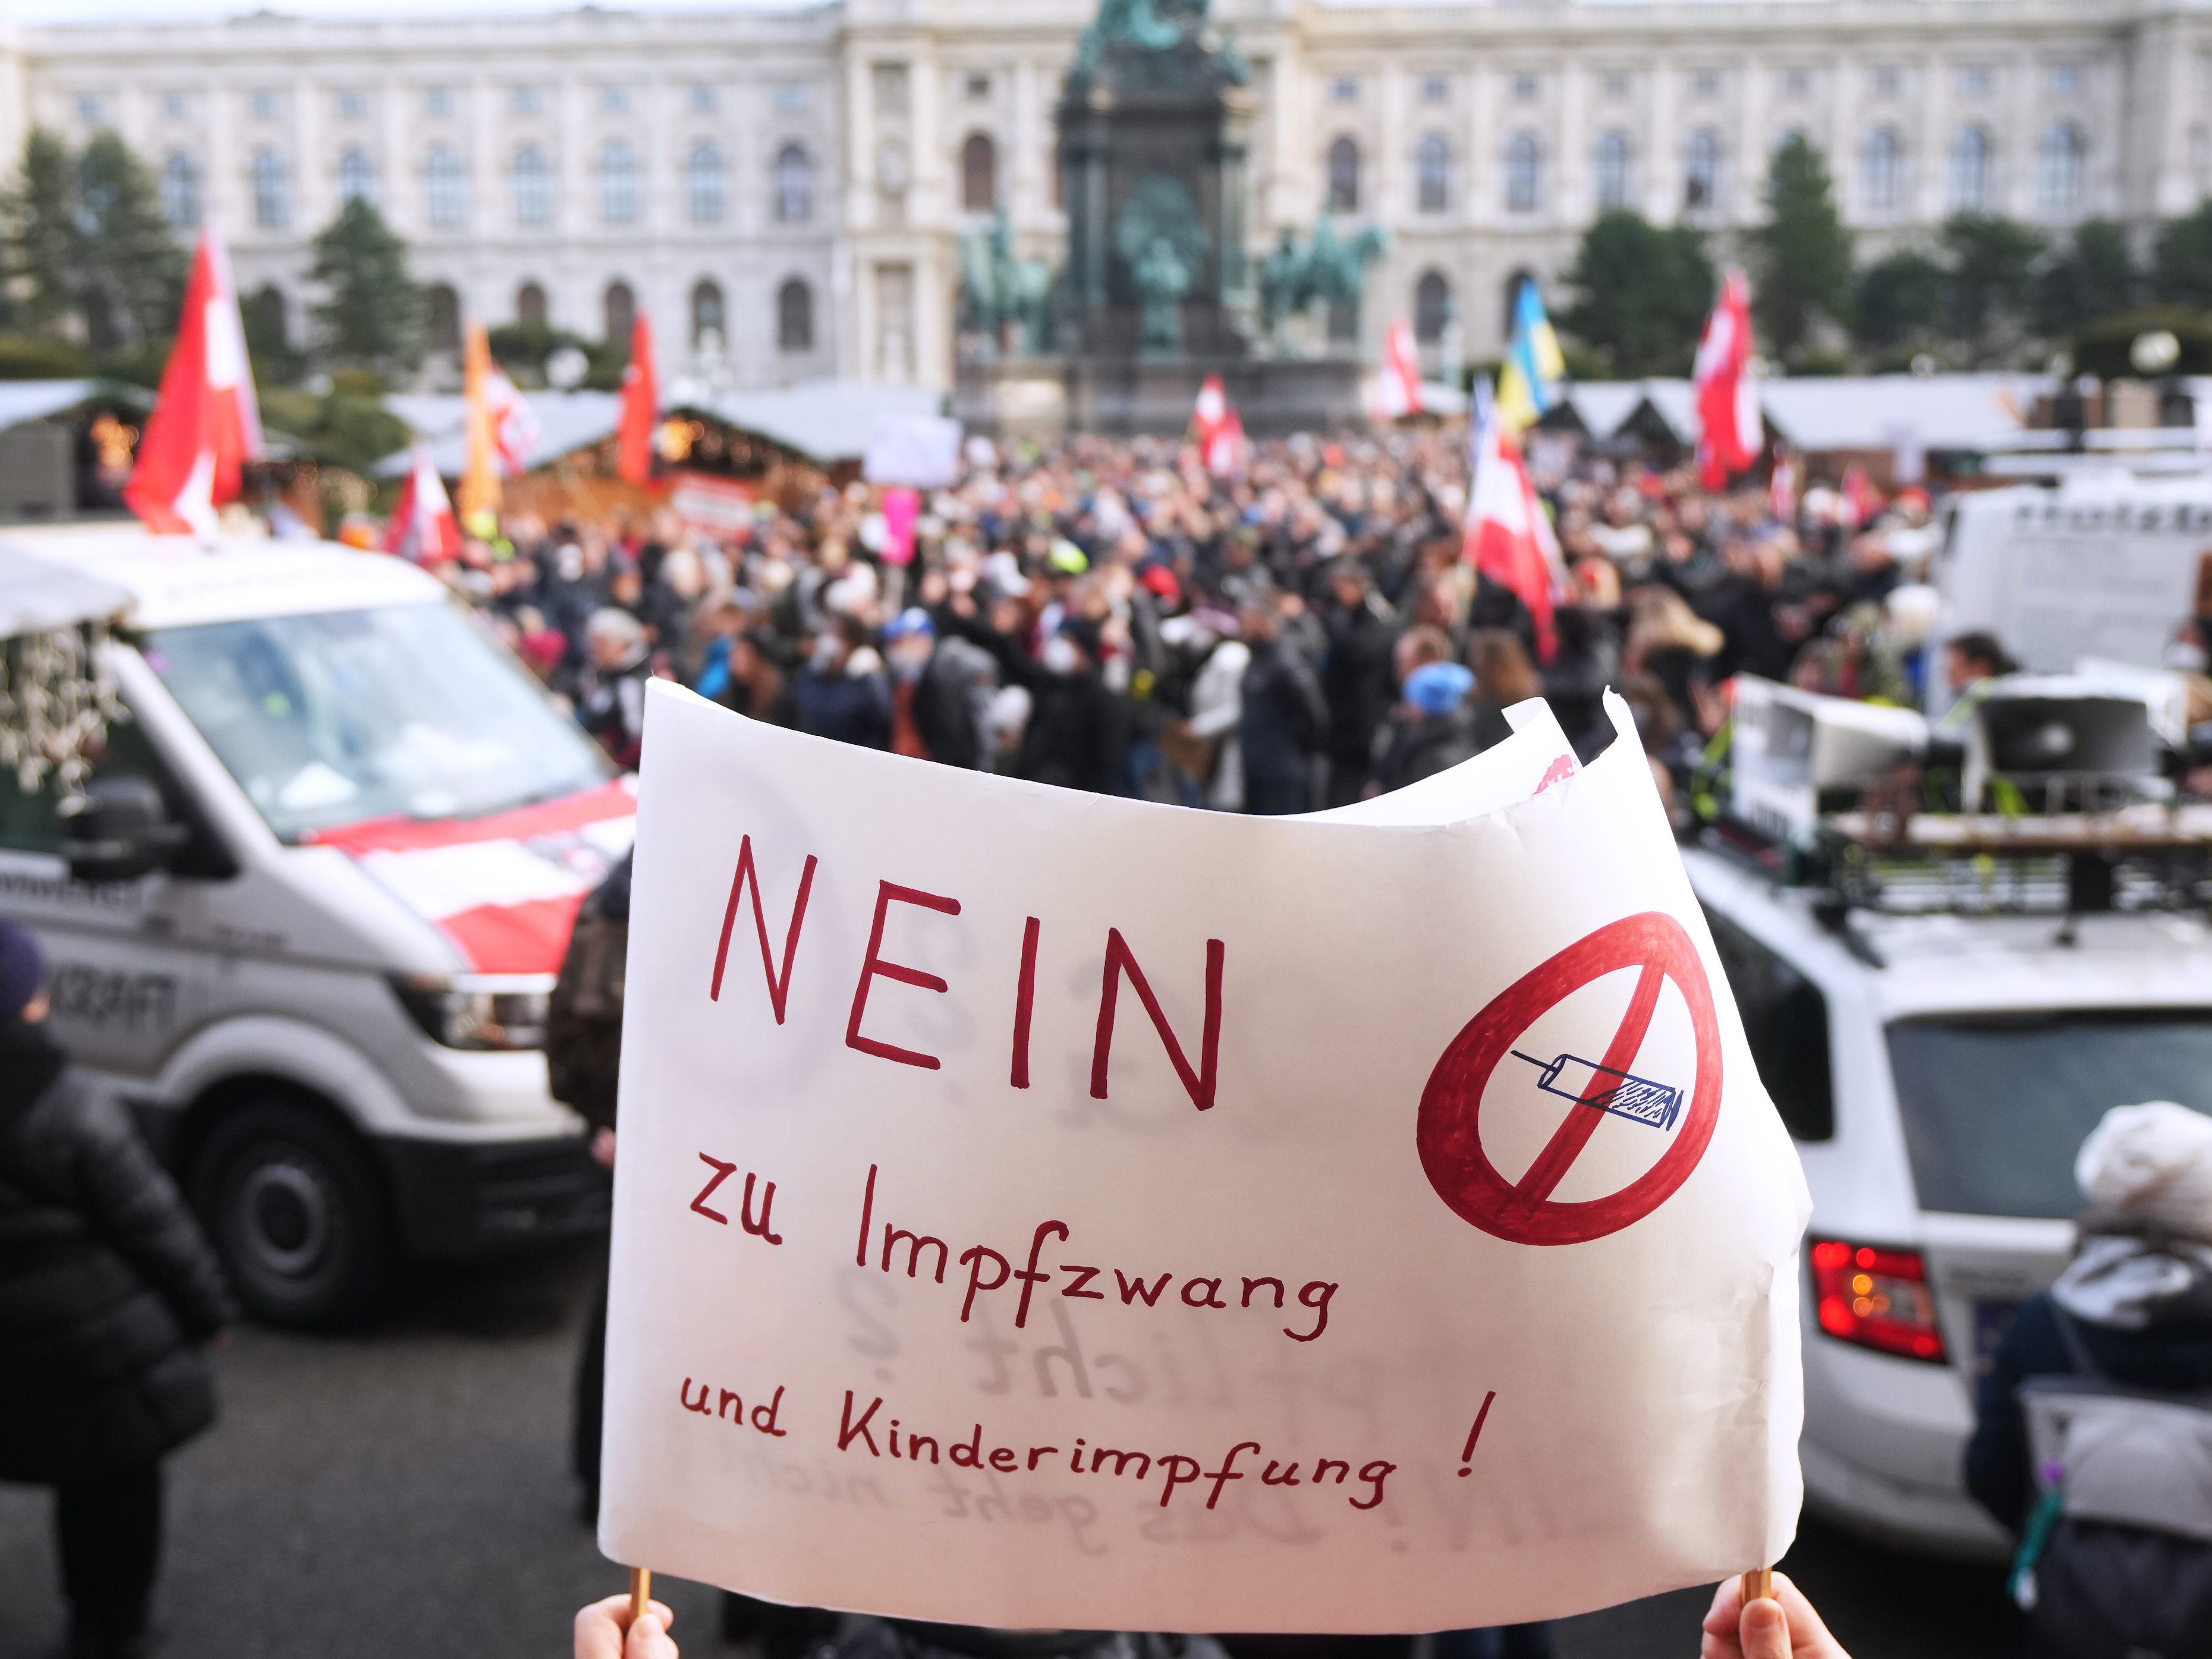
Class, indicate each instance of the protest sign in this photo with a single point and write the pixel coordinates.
(1042, 1209)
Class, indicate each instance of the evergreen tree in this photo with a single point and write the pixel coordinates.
(40, 213)
(1988, 300)
(87, 250)
(1641, 294)
(2092, 276)
(131, 270)
(2181, 264)
(1899, 306)
(371, 313)
(1800, 258)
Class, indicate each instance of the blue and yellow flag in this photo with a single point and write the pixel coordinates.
(1529, 384)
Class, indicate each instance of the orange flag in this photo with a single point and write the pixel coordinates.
(479, 491)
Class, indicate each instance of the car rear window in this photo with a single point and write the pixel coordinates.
(1996, 1106)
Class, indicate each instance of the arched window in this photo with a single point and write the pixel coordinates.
(180, 192)
(1701, 170)
(618, 308)
(533, 187)
(794, 185)
(356, 178)
(442, 306)
(1433, 173)
(272, 190)
(619, 183)
(2060, 161)
(1432, 306)
(1969, 171)
(530, 306)
(794, 316)
(1615, 186)
(444, 190)
(1524, 167)
(979, 174)
(703, 184)
(1344, 177)
(1879, 170)
(707, 335)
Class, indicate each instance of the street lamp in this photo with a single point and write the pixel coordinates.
(566, 368)
(2154, 352)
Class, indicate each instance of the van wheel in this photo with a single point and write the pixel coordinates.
(298, 1216)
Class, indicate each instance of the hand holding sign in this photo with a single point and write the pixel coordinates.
(1042, 1210)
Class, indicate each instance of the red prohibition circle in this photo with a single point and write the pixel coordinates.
(1448, 1133)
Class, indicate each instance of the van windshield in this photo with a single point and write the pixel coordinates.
(336, 717)
(1996, 1106)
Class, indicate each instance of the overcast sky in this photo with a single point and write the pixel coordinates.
(78, 12)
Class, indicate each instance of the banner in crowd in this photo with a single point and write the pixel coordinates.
(1041, 1210)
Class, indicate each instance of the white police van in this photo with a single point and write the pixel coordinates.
(1941, 1022)
(306, 918)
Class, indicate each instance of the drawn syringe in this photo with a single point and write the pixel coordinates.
(1622, 1093)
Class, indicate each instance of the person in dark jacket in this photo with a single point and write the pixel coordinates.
(1284, 719)
(1355, 675)
(1078, 735)
(1435, 729)
(842, 693)
(2138, 1295)
(109, 1295)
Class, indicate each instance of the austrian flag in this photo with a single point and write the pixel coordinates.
(423, 528)
(205, 423)
(1508, 538)
(1729, 433)
(1218, 429)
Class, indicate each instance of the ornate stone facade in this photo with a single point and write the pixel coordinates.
(782, 189)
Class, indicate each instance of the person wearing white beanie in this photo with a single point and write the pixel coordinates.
(2135, 1301)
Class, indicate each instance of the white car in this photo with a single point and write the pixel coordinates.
(1939, 1072)
(307, 920)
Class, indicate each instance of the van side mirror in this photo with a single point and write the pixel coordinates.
(118, 830)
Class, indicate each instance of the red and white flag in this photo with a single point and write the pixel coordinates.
(423, 528)
(1219, 428)
(1729, 433)
(515, 425)
(205, 423)
(1782, 487)
(641, 407)
(1508, 537)
(1398, 385)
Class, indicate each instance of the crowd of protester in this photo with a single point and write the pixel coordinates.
(1105, 615)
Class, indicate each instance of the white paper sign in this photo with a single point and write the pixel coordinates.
(1041, 1210)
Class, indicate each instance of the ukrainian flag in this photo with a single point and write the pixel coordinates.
(1529, 384)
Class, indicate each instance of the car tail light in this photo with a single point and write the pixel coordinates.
(1876, 1297)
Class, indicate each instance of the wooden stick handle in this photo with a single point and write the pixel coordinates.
(1758, 1586)
(641, 1592)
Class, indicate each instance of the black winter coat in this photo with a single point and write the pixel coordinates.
(1357, 677)
(2174, 1356)
(107, 1289)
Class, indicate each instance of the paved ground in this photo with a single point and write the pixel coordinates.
(406, 1493)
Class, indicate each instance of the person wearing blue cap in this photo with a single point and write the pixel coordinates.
(108, 1296)
(1438, 724)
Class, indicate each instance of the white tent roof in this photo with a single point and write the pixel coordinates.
(826, 420)
(33, 400)
(1881, 411)
(567, 422)
(37, 594)
(1602, 406)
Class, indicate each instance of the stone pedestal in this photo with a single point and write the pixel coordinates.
(1048, 398)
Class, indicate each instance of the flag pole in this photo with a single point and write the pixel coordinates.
(640, 1591)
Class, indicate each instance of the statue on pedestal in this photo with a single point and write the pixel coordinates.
(1330, 270)
(1002, 296)
(1163, 246)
